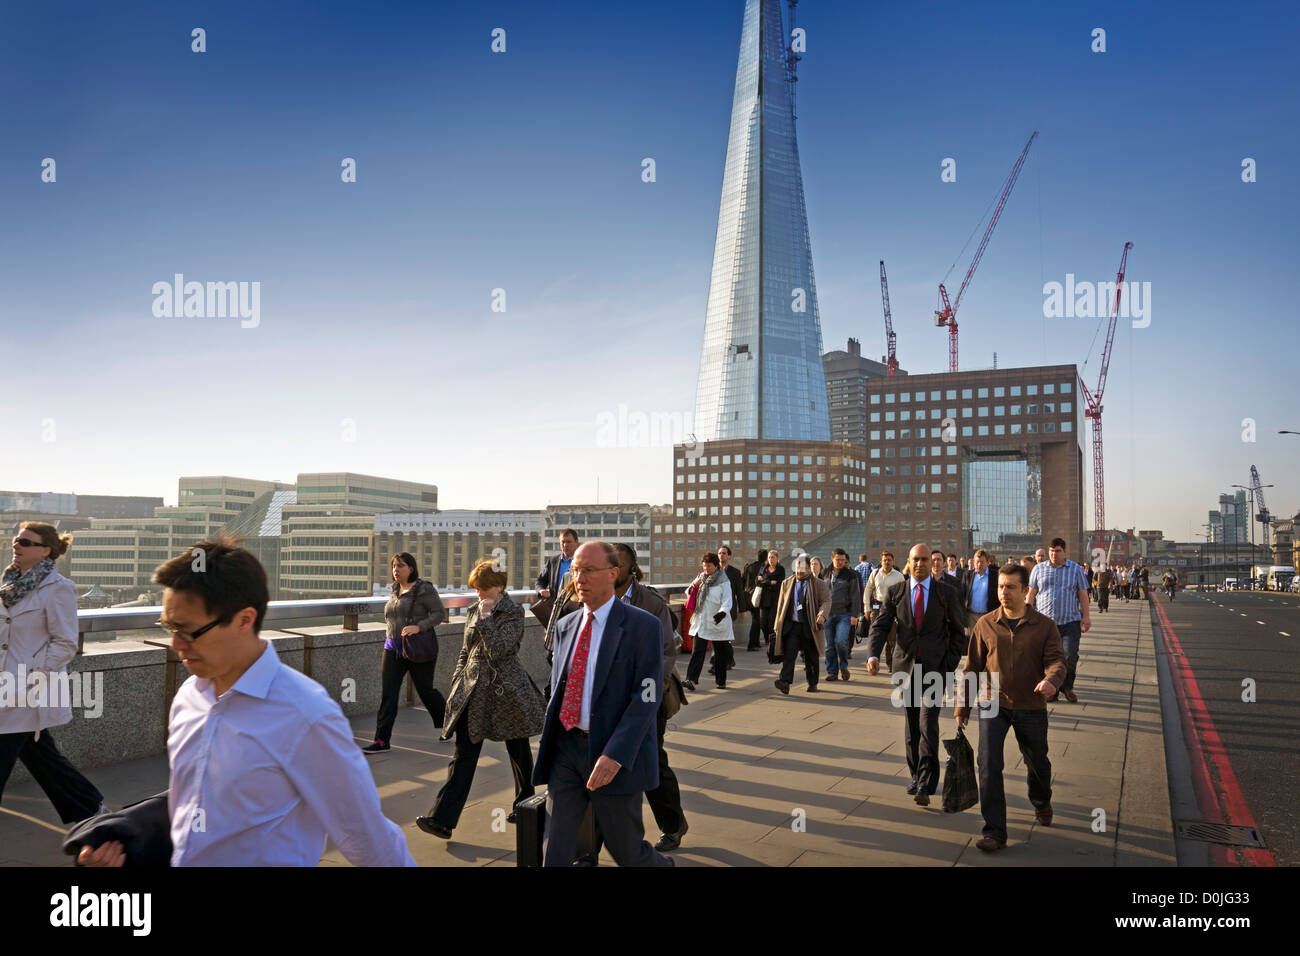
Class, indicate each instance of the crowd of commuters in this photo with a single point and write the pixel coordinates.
(268, 756)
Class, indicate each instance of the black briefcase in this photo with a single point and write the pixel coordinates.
(530, 830)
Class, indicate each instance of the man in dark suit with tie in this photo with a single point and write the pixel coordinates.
(931, 639)
(979, 590)
(598, 745)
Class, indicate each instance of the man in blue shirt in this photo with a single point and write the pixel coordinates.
(1058, 588)
(979, 590)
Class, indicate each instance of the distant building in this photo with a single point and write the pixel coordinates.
(626, 523)
(447, 544)
(846, 391)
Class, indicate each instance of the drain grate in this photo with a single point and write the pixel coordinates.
(1218, 833)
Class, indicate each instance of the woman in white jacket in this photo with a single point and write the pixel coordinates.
(38, 637)
(711, 621)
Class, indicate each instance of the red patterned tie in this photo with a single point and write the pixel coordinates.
(571, 706)
(918, 610)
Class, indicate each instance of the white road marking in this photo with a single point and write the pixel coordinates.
(1259, 622)
(1284, 633)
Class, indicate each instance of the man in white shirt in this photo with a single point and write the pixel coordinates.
(263, 763)
(873, 596)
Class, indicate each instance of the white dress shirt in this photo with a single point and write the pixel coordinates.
(593, 651)
(261, 775)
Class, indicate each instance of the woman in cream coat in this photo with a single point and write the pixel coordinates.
(711, 621)
(38, 637)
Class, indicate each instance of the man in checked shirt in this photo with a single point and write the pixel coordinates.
(1058, 588)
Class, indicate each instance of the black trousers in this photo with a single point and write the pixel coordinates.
(921, 737)
(755, 628)
(798, 637)
(393, 669)
(721, 661)
(1103, 599)
(769, 625)
(618, 815)
(666, 799)
(1031, 734)
(449, 803)
(74, 797)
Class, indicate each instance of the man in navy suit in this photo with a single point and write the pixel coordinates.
(931, 640)
(979, 590)
(599, 744)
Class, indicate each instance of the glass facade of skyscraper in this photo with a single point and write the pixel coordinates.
(760, 367)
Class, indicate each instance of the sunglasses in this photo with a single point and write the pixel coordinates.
(28, 543)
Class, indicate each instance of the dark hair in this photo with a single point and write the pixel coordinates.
(938, 552)
(835, 551)
(724, 547)
(569, 531)
(50, 537)
(630, 552)
(407, 559)
(1030, 558)
(883, 553)
(1058, 543)
(710, 557)
(862, 557)
(226, 578)
(485, 575)
(762, 555)
(1013, 570)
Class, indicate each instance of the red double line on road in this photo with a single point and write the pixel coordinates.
(1224, 803)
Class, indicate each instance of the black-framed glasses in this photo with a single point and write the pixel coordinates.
(187, 637)
(29, 543)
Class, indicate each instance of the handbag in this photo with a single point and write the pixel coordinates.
(419, 648)
(961, 789)
(756, 595)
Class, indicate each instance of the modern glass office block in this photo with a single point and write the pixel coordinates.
(760, 367)
(1002, 499)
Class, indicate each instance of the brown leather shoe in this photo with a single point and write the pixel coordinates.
(844, 674)
(1070, 696)
(990, 845)
(1044, 816)
(831, 677)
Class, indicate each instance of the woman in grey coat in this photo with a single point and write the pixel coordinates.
(492, 697)
(38, 638)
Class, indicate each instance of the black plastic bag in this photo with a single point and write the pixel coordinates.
(961, 788)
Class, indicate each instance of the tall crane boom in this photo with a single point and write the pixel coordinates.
(1262, 515)
(1092, 400)
(891, 341)
(947, 314)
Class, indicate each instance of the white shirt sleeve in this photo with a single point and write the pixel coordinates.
(332, 776)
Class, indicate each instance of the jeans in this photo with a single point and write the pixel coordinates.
(1031, 734)
(839, 633)
(1071, 634)
(392, 670)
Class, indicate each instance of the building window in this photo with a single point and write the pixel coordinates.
(1049, 426)
(999, 410)
(967, 412)
(950, 394)
(999, 392)
(967, 393)
(875, 399)
(999, 429)
(966, 431)
(1067, 426)
(1067, 408)
(1031, 389)
(1049, 389)
(1015, 391)
(983, 430)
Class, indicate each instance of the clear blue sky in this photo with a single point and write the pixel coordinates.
(522, 171)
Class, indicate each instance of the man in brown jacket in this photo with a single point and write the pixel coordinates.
(801, 610)
(1021, 650)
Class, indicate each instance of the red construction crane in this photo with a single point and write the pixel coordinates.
(947, 314)
(891, 341)
(1093, 402)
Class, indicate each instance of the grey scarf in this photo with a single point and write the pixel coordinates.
(712, 581)
(15, 585)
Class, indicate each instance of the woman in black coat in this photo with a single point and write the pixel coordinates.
(748, 581)
(769, 579)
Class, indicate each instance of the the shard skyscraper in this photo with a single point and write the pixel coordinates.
(761, 364)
